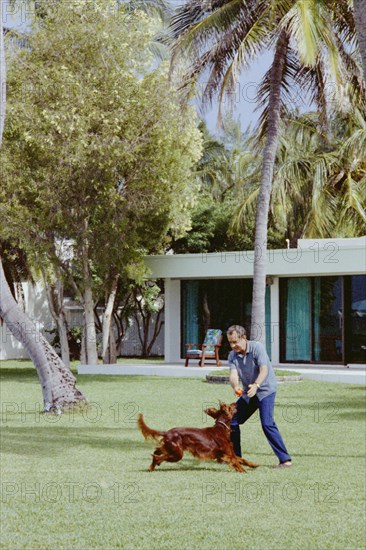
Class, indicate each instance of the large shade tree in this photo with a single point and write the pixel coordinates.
(57, 381)
(98, 150)
(308, 39)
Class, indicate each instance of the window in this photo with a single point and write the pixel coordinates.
(311, 313)
(217, 303)
(357, 320)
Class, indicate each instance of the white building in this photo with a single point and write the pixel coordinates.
(315, 302)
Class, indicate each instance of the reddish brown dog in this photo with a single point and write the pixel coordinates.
(204, 443)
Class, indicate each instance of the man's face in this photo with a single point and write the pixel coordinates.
(238, 344)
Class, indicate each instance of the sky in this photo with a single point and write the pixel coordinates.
(244, 104)
(245, 95)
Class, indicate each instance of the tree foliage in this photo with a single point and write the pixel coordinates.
(310, 41)
(98, 151)
(319, 184)
(96, 140)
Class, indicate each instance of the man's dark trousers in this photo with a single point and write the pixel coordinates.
(266, 407)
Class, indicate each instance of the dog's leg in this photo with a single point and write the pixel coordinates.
(170, 451)
(159, 455)
(229, 452)
(173, 447)
(234, 461)
(250, 464)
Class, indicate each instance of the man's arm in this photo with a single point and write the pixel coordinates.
(263, 371)
(234, 380)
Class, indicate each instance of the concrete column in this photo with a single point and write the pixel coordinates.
(275, 321)
(172, 332)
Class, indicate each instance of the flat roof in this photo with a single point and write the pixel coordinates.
(312, 257)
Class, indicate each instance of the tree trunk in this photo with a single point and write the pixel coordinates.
(2, 72)
(89, 322)
(157, 329)
(90, 332)
(359, 7)
(64, 341)
(83, 360)
(112, 355)
(55, 302)
(57, 381)
(107, 331)
(269, 155)
(146, 330)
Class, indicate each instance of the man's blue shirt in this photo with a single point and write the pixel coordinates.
(247, 366)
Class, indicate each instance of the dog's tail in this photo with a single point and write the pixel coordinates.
(147, 432)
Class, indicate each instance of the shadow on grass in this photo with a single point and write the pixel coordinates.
(29, 374)
(330, 455)
(176, 468)
(191, 465)
(22, 375)
(123, 379)
(53, 440)
(353, 415)
(339, 402)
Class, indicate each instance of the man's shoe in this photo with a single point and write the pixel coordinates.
(286, 464)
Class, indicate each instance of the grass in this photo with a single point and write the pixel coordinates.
(278, 372)
(81, 481)
(26, 363)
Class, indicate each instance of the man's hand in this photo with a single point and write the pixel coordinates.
(238, 391)
(234, 380)
(252, 390)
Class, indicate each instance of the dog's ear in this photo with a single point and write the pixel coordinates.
(224, 408)
(229, 410)
(211, 411)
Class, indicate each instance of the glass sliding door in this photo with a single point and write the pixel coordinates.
(297, 319)
(217, 303)
(357, 332)
(312, 319)
(190, 315)
(327, 319)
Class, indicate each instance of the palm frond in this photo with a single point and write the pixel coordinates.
(289, 72)
(198, 22)
(219, 42)
(243, 208)
(352, 205)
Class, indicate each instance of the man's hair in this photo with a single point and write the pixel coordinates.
(240, 331)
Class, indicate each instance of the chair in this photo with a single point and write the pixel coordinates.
(209, 349)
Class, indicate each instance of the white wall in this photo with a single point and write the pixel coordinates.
(172, 321)
(36, 307)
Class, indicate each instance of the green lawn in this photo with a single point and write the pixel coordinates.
(81, 481)
(278, 372)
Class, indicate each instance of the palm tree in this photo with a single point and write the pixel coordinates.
(2, 73)
(360, 21)
(222, 37)
(319, 183)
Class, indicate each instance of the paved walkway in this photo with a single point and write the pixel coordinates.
(328, 373)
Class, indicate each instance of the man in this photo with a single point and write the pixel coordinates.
(249, 361)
